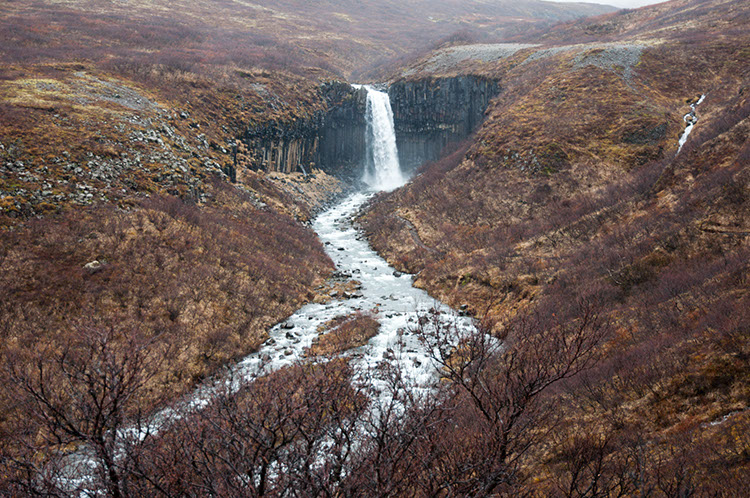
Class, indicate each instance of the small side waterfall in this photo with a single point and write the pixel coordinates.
(690, 119)
(382, 170)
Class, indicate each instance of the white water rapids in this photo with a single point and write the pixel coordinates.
(389, 295)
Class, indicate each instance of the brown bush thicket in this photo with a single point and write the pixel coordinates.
(86, 393)
(500, 415)
(344, 333)
(499, 389)
(209, 281)
(308, 429)
(288, 432)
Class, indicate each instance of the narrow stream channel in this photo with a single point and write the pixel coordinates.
(395, 303)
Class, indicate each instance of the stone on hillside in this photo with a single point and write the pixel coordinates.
(93, 266)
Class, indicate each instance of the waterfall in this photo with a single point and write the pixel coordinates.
(382, 170)
(689, 118)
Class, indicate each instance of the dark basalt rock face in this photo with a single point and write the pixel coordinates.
(428, 114)
(332, 140)
(432, 112)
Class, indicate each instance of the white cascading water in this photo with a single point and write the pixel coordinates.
(382, 169)
(689, 118)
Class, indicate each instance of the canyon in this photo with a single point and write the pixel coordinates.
(511, 262)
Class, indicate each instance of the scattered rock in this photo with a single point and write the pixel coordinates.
(93, 266)
(287, 325)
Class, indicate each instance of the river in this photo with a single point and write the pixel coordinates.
(386, 294)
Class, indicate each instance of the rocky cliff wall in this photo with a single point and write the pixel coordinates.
(332, 139)
(430, 113)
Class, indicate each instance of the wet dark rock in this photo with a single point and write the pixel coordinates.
(333, 139)
(287, 325)
(397, 274)
(432, 112)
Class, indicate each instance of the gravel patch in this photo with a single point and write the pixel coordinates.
(97, 89)
(612, 56)
(449, 58)
(549, 52)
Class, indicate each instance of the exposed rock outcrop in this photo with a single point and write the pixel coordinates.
(430, 113)
(332, 139)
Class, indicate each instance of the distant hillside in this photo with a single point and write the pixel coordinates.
(338, 36)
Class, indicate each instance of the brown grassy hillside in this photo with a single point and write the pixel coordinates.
(334, 36)
(572, 189)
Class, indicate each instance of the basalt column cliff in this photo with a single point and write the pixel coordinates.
(432, 112)
(332, 139)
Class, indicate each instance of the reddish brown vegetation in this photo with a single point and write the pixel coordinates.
(564, 199)
(663, 240)
(207, 281)
(344, 333)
